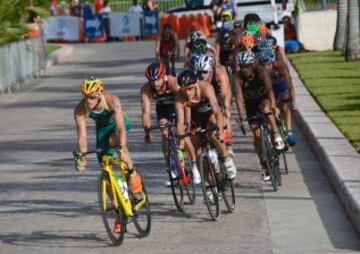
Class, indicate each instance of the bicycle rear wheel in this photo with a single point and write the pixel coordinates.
(177, 188)
(226, 186)
(190, 186)
(109, 213)
(211, 199)
(285, 162)
(277, 172)
(142, 215)
(267, 157)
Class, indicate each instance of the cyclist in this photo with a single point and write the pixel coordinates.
(162, 88)
(253, 86)
(197, 100)
(216, 76)
(167, 48)
(106, 110)
(198, 44)
(225, 45)
(283, 88)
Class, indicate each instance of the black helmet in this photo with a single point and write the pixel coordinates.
(186, 77)
(237, 24)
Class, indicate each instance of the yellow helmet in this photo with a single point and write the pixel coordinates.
(226, 13)
(91, 85)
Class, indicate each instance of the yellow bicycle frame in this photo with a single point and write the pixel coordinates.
(116, 193)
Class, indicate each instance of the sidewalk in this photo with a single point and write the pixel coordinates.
(337, 157)
(59, 55)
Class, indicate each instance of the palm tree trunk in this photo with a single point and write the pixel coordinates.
(340, 24)
(352, 51)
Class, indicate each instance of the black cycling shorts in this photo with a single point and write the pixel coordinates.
(165, 111)
(252, 108)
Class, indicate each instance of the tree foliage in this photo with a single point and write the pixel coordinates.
(13, 15)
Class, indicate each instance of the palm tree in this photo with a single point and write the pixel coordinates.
(339, 41)
(11, 19)
(352, 50)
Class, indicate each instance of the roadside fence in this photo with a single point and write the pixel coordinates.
(20, 62)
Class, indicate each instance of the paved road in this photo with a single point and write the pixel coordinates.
(46, 207)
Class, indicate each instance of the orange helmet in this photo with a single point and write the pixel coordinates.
(263, 29)
(248, 41)
(91, 86)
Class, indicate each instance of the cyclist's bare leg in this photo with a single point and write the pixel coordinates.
(189, 147)
(126, 154)
(172, 61)
(164, 137)
(257, 142)
(286, 114)
(264, 107)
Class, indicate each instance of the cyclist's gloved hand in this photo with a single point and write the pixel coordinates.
(80, 162)
(147, 137)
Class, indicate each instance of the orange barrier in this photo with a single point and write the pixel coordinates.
(183, 30)
(163, 20)
(175, 24)
(181, 25)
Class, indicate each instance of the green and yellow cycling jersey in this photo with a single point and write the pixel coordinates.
(105, 126)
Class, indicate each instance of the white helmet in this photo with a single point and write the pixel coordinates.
(245, 57)
(204, 63)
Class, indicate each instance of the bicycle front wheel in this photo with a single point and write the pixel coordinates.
(190, 186)
(226, 186)
(177, 188)
(113, 217)
(142, 214)
(268, 158)
(209, 186)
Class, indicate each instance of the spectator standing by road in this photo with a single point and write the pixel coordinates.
(292, 44)
(104, 12)
(150, 5)
(136, 8)
(64, 9)
(53, 8)
(98, 5)
(75, 8)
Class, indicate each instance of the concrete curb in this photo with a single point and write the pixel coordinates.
(337, 157)
(59, 55)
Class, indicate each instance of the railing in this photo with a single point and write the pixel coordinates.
(164, 5)
(21, 61)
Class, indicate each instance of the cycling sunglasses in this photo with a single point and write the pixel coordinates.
(186, 88)
(202, 72)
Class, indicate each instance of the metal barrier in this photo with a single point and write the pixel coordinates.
(21, 61)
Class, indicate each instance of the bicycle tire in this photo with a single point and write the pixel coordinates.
(190, 186)
(213, 207)
(109, 214)
(177, 189)
(285, 162)
(281, 126)
(226, 187)
(143, 230)
(277, 172)
(267, 156)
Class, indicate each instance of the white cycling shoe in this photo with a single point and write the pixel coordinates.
(230, 168)
(196, 174)
(279, 143)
